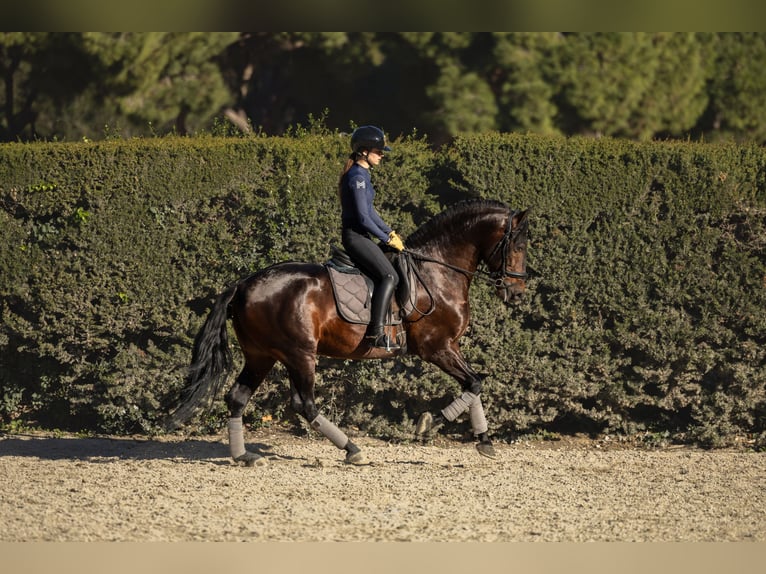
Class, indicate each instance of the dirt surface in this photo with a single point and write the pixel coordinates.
(59, 488)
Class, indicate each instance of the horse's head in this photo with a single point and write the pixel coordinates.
(508, 259)
(474, 232)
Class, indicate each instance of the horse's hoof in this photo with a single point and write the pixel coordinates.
(356, 458)
(425, 422)
(486, 449)
(251, 459)
(427, 425)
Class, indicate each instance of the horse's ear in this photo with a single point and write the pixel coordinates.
(521, 217)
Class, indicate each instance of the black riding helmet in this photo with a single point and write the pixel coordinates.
(368, 137)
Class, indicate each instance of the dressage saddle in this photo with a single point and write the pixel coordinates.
(353, 289)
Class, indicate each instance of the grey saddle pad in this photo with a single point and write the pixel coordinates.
(353, 297)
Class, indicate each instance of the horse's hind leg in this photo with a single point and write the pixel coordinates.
(237, 398)
(302, 389)
(296, 402)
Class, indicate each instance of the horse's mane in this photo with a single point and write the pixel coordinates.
(453, 220)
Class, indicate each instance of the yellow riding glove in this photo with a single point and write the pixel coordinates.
(395, 241)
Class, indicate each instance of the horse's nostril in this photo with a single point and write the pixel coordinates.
(517, 296)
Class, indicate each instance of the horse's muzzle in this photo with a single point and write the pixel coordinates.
(511, 294)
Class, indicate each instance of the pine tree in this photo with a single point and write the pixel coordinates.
(524, 80)
(738, 87)
(168, 78)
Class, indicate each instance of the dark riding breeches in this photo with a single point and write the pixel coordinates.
(373, 262)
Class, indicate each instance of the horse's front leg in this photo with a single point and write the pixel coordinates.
(451, 362)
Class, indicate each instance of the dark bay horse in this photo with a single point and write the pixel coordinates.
(287, 313)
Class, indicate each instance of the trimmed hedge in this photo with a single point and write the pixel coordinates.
(113, 251)
(648, 302)
(646, 306)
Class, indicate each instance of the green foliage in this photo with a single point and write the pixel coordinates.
(645, 308)
(639, 85)
(647, 296)
(525, 85)
(737, 86)
(112, 251)
(167, 78)
(632, 84)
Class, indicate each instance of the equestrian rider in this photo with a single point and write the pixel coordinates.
(360, 222)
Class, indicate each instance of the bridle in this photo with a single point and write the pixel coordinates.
(503, 247)
(494, 278)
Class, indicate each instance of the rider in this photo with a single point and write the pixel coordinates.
(360, 220)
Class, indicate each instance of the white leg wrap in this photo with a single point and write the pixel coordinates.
(478, 420)
(236, 438)
(459, 406)
(336, 436)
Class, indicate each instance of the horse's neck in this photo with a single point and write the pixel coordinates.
(464, 256)
(464, 249)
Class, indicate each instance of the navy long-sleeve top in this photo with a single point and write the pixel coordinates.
(357, 209)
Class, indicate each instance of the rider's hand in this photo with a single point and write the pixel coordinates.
(395, 241)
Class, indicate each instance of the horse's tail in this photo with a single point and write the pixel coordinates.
(211, 361)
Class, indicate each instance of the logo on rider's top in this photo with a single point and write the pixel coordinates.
(360, 184)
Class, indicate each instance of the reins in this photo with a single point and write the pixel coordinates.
(421, 257)
(493, 278)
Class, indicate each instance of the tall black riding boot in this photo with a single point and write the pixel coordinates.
(381, 299)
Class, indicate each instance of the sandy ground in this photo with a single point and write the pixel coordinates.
(72, 489)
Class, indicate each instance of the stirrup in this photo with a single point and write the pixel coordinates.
(383, 341)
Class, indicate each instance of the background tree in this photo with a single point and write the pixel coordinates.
(460, 98)
(524, 78)
(167, 78)
(675, 96)
(42, 73)
(737, 87)
(279, 79)
(439, 84)
(600, 87)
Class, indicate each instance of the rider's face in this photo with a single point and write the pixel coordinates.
(374, 156)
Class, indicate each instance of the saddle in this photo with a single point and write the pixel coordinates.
(353, 289)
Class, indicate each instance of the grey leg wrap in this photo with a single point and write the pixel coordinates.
(478, 420)
(236, 438)
(459, 406)
(336, 436)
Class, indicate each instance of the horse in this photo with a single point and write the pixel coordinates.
(287, 313)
